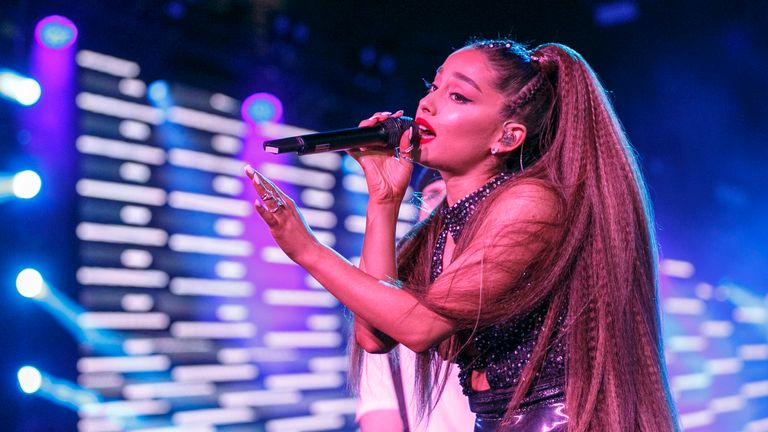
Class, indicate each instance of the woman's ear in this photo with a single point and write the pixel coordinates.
(512, 137)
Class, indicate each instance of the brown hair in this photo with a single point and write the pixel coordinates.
(600, 272)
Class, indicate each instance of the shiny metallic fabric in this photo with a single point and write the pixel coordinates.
(546, 414)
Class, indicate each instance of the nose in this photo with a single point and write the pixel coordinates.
(425, 104)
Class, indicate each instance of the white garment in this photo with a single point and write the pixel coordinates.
(377, 393)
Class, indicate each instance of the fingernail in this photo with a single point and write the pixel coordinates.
(248, 170)
(255, 177)
(386, 113)
(399, 112)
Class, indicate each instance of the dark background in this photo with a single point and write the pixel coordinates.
(688, 79)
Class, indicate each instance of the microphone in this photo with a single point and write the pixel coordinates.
(385, 134)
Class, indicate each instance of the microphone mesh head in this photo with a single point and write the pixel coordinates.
(394, 128)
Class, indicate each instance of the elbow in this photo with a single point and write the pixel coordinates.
(426, 337)
(418, 348)
(374, 346)
(419, 344)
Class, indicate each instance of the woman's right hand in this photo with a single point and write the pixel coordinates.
(387, 177)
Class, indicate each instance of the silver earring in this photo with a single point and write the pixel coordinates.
(494, 150)
(507, 138)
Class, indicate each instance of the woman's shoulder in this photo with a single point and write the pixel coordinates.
(526, 199)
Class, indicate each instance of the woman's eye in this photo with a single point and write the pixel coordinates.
(459, 98)
(430, 86)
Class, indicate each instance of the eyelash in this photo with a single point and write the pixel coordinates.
(456, 97)
(430, 86)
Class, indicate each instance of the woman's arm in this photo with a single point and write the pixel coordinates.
(395, 312)
(387, 179)
(378, 260)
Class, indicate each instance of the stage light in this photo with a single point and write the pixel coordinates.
(616, 12)
(24, 90)
(26, 184)
(56, 32)
(261, 107)
(159, 92)
(30, 379)
(30, 284)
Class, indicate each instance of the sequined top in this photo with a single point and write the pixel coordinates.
(501, 350)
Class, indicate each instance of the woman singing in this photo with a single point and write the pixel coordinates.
(537, 274)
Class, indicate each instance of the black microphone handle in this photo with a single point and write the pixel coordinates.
(384, 134)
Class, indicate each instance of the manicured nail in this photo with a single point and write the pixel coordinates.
(248, 170)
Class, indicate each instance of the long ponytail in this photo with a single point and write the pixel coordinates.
(616, 378)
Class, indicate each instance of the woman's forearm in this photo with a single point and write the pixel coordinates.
(378, 260)
(379, 304)
(378, 256)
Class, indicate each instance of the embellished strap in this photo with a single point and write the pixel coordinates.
(456, 216)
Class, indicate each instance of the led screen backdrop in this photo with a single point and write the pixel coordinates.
(194, 319)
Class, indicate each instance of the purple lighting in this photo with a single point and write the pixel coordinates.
(261, 107)
(56, 32)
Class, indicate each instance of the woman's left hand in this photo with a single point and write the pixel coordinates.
(284, 220)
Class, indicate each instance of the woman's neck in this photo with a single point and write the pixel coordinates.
(459, 186)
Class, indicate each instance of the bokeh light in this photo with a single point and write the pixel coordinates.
(262, 107)
(159, 93)
(56, 32)
(29, 283)
(30, 379)
(26, 184)
(24, 90)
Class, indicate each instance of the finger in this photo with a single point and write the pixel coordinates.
(275, 191)
(267, 216)
(370, 121)
(257, 184)
(249, 171)
(354, 153)
(409, 145)
(271, 201)
(378, 117)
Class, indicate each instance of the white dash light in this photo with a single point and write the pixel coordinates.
(26, 91)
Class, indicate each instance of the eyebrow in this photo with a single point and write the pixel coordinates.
(464, 78)
(467, 80)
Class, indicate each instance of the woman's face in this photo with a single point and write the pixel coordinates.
(459, 118)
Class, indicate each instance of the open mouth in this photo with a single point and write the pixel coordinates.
(425, 131)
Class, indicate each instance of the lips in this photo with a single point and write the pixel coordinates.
(426, 133)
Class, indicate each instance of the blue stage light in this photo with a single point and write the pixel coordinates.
(159, 93)
(26, 184)
(30, 379)
(30, 284)
(261, 107)
(56, 32)
(615, 13)
(18, 88)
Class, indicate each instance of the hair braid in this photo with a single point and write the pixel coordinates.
(529, 91)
